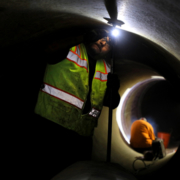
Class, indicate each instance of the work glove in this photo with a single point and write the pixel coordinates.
(113, 82)
(94, 35)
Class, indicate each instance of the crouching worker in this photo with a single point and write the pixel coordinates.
(142, 135)
(75, 87)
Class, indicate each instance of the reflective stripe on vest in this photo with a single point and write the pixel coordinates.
(76, 58)
(59, 94)
(94, 112)
(103, 76)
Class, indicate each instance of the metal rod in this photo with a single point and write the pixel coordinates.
(110, 109)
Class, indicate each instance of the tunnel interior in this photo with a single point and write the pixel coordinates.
(137, 60)
(156, 99)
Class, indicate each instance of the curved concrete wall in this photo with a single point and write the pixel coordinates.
(22, 68)
(130, 74)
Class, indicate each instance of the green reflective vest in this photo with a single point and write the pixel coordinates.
(66, 86)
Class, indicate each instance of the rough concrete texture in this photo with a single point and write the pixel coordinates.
(89, 170)
(155, 20)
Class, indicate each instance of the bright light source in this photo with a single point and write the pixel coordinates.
(115, 32)
(119, 115)
(157, 77)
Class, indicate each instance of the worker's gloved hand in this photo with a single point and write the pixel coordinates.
(113, 82)
(94, 35)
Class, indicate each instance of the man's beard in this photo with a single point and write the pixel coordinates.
(94, 52)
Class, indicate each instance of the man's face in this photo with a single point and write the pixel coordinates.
(99, 49)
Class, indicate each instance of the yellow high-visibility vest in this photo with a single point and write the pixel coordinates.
(66, 86)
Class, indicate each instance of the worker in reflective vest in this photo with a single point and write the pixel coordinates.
(75, 87)
(66, 86)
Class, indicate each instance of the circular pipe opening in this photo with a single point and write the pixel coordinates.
(154, 99)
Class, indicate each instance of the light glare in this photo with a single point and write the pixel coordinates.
(157, 77)
(119, 114)
(115, 32)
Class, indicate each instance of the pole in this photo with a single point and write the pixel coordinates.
(110, 108)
